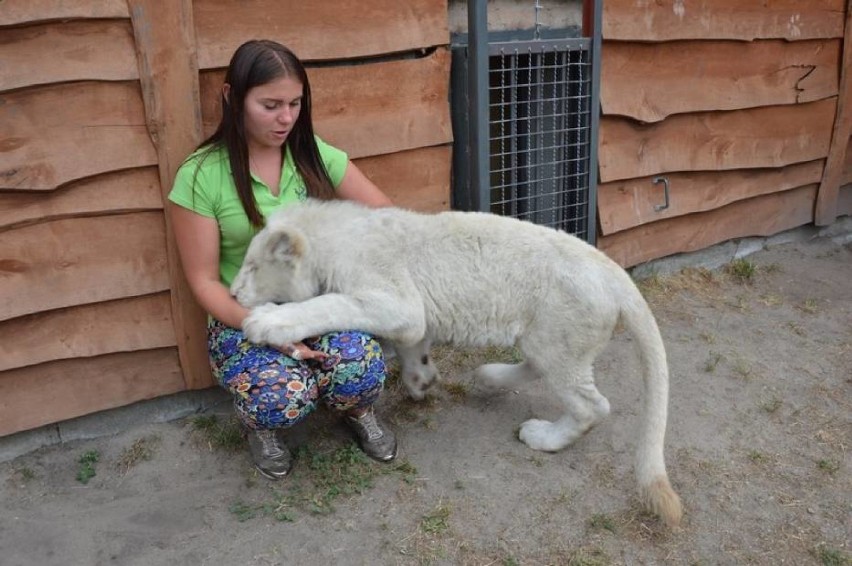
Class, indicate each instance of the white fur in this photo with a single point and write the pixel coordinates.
(470, 279)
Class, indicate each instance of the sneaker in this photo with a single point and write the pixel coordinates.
(378, 442)
(271, 456)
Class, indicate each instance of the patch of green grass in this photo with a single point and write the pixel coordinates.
(796, 328)
(810, 306)
(712, 362)
(772, 300)
(458, 391)
(602, 521)
(321, 478)
(831, 556)
(589, 557)
(771, 405)
(25, 473)
(743, 368)
(243, 511)
(828, 466)
(86, 470)
(437, 521)
(142, 449)
(511, 561)
(757, 457)
(225, 435)
(741, 270)
(708, 337)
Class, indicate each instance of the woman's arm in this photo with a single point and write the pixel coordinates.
(356, 186)
(197, 239)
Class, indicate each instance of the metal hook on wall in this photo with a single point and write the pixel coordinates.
(665, 182)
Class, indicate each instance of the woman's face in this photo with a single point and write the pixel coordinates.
(271, 111)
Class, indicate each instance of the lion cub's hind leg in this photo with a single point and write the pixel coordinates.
(584, 404)
(496, 376)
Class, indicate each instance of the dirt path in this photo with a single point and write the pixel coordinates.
(758, 447)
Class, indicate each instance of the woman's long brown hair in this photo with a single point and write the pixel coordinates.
(255, 63)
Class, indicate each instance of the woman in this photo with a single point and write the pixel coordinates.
(264, 155)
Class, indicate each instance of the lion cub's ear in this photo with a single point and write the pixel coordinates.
(285, 245)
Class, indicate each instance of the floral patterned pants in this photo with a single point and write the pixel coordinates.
(273, 390)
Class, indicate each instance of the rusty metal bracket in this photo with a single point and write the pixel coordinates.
(665, 182)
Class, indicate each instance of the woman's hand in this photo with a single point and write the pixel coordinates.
(299, 351)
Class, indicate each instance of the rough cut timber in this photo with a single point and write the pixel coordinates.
(629, 203)
(760, 216)
(319, 30)
(666, 20)
(826, 203)
(79, 261)
(418, 179)
(69, 51)
(55, 134)
(16, 12)
(651, 81)
(138, 323)
(122, 191)
(85, 385)
(772, 136)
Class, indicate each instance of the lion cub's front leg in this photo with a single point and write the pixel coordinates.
(266, 324)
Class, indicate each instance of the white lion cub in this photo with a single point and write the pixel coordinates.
(468, 279)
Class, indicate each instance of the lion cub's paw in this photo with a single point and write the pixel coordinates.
(541, 435)
(258, 326)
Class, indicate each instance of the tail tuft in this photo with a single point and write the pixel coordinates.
(659, 498)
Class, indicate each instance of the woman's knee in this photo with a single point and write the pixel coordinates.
(355, 372)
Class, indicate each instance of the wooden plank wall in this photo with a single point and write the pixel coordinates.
(99, 102)
(735, 103)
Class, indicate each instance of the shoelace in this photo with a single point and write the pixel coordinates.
(269, 443)
(368, 421)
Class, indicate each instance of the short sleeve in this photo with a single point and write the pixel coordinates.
(335, 161)
(190, 189)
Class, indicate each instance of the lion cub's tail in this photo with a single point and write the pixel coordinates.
(654, 487)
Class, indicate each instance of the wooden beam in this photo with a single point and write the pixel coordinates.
(55, 134)
(649, 81)
(761, 216)
(625, 204)
(846, 178)
(67, 51)
(168, 70)
(844, 201)
(418, 179)
(133, 190)
(82, 386)
(319, 30)
(77, 261)
(17, 12)
(667, 20)
(125, 325)
(826, 202)
(772, 136)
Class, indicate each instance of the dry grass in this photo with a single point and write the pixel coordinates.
(141, 450)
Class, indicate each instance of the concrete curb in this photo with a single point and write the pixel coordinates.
(104, 423)
(714, 257)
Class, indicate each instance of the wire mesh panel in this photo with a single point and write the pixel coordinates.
(539, 107)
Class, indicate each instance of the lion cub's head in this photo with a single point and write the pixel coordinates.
(274, 269)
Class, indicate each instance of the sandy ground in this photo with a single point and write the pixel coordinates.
(758, 447)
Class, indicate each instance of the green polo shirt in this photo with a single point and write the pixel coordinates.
(204, 185)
